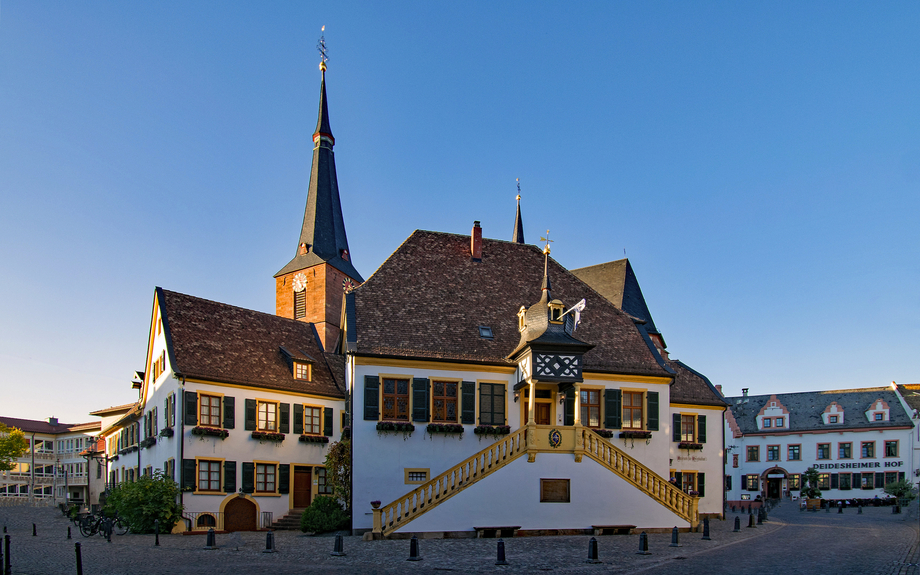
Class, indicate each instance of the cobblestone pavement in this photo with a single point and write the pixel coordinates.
(790, 542)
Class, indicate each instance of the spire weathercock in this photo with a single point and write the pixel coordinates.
(518, 235)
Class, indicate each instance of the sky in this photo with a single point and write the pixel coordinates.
(758, 163)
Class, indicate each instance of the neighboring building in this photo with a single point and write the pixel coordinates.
(858, 439)
(53, 469)
(463, 357)
(910, 399)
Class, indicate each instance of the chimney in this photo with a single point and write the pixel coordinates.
(744, 391)
(53, 420)
(476, 242)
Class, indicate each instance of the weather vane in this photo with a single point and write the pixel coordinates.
(322, 49)
(519, 189)
(548, 242)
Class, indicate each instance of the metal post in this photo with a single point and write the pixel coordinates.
(68, 532)
(751, 522)
(269, 542)
(413, 549)
(643, 544)
(209, 542)
(7, 570)
(34, 532)
(705, 529)
(675, 538)
(592, 552)
(500, 556)
(156, 531)
(737, 525)
(338, 550)
(79, 559)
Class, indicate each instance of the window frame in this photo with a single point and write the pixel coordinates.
(773, 450)
(751, 482)
(384, 416)
(446, 399)
(798, 454)
(320, 418)
(685, 419)
(583, 405)
(220, 475)
(845, 450)
(824, 481)
(752, 450)
(627, 422)
(220, 404)
(255, 479)
(410, 470)
(277, 419)
(322, 482)
(767, 422)
(863, 451)
(897, 447)
(818, 449)
(301, 368)
(780, 422)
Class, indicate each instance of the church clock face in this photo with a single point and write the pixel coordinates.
(300, 282)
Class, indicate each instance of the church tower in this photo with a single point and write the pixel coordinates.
(310, 287)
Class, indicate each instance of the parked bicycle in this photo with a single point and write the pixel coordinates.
(93, 524)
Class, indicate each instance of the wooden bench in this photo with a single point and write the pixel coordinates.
(493, 532)
(613, 529)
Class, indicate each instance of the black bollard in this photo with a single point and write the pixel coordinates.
(79, 559)
(827, 508)
(750, 509)
(706, 529)
(7, 570)
(68, 532)
(751, 522)
(840, 508)
(737, 525)
(156, 532)
(338, 549)
(643, 544)
(760, 519)
(859, 509)
(592, 552)
(675, 538)
(210, 543)
(413, 549)
(765, 516)
(109, 527)
(34, 532)
(269, 542)
(500, 553)
(4, 528)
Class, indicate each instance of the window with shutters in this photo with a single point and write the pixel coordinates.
(590, 407)
(265, 477)
(267, 416)
(209, 475)
(491, 403)
(302, 371)
(444, 401)
(300, 304)
(688, 481)
(312, 420)
(632, 409)
(396, 399)
(688, 428)
(209, 410)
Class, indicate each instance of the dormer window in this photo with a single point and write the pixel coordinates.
(879, 417)
(485, 332)
(303, 249)
(522, 322)
(832, 419)
(767, 422)
(555, 311)
(345, 255)
(780, 422)
(302, 371)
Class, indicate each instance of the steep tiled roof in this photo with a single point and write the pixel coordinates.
(42, 426)
(911, 394)
(805, 409)
(617, 282)
(229, 344)
(429, 298)
(692, 387)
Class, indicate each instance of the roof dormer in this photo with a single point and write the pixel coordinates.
(300, 364)
(773, 416)
(833, 414)
(878, 411)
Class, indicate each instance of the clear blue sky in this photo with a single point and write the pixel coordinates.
(758, 162)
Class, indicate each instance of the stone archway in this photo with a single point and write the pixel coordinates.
(775, 482)
(240, 515)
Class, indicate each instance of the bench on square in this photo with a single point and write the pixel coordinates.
(613, 529)
(493, 532)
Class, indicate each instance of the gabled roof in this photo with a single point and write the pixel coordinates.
(115, 409)
(805, 410)
(228, 344)
(692, 387)
(42, 426)
(429, 298)
(617, 282)
(911, 394)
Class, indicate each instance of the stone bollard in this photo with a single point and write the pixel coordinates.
(760, 519)
(34, 532)
(210, 542)
(500, 553)
(840, 508)
(675, 538)
(156, 532)
(737, 525)
(68, 532)
(859, 509)
(79, 559)
(592, 552)
(751, 522)
(338, 550)
(706, 529)
(764, 515)
(269, 542)
(413, 549)
(643, 544)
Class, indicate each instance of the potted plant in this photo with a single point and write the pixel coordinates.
(810, 491)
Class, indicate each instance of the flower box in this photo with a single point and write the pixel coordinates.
(267, 436)
(444, 428)
(689, 445)
(605, 433)
(492, 430)
(167, 432)
(635, 435)
(313, 439)
(210, 431)
(403, 426)
(148, 442)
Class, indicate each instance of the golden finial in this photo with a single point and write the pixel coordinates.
(548, 241)
(519, 189)
(322, 49)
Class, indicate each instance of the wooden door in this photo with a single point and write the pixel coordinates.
(302, 486)
(542, 414)
(240, 515)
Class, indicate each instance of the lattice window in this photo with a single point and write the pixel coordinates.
(444, 401)
(396, 399)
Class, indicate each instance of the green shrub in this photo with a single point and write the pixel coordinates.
(149, 498)
(324, 514)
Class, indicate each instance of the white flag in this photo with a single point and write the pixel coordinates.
(577, 308)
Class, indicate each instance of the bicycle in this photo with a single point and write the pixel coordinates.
(91, 524)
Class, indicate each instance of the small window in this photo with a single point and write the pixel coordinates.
(396, 399)
(752, 482)
(844, 450)
(794, 453)
(773, 453)
(891, 449)
(302, 371)
(268, 416)
(444, 401)
(555, 310)
(688, 428)
(632, 410)
(416, 475)
(322, 486)
(844, 481)
(824, 451)
(832, 419)
(485, 332)
(879, 417)
(753, 453)
(265, 478)
(312, 420)
(867, 450)
(206, 520)
(794, 480)
(300, 304)
(780, 422)
(209, 410)
(591, 407)
(767, 422)
(824, 481)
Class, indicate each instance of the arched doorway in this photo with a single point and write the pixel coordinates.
(240, 515)
(775, 482)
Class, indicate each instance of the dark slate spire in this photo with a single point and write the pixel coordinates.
(322, 238)
(518, 235)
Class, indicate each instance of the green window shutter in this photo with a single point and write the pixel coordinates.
(189, 468)
(613, 409)
(327, 421)
(728, 483)
(485, 404)
(701, 428)
(651, 400)
(879, 480)
(166, 421)
(675, 428)
(229, 412)
(298, 419)
(191, 408)
(284, 478)
(900, 476)
(172, 409)
(371, 397)
(569, 417)
(679, 477)
(250, 422)
(285, 426)
(155, 426)
(498, 404)
(420, 399)
(701, 484)
(248, 478)
(468, 402)
(229, 476)
(835, 481)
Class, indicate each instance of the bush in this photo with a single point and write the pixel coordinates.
(324, 514)
(148, 498)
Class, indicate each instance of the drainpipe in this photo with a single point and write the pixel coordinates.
(180, 423)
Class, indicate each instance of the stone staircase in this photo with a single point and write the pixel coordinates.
(290, 522)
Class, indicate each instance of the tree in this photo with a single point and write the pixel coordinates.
(13, 444)
(149, 498)
(809, 485)
(338, 471)
(903, 490)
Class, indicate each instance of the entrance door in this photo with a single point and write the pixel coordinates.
(240, 515)
(773, 488)
(541, 416)
(302, 486)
